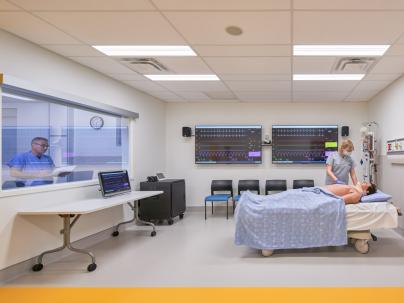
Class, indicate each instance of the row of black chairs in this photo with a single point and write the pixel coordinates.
(225, 187)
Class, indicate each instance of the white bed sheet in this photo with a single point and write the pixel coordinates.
(369, 216)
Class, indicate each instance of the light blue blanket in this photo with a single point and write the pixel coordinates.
(298, 218)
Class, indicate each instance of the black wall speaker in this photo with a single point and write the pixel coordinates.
(186, 131)
(345, 131)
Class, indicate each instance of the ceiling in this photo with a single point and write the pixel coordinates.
(256, 66)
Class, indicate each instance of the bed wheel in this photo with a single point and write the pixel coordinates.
(362, 246)
(267, 252)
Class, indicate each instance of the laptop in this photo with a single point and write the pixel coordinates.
(114, 183)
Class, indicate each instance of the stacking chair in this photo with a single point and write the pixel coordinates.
(275, 186)
(220, 186)
(302, 183)
(244, 185)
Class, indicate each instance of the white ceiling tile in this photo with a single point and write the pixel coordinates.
(372, 85)
(389, 65)
(79, 5)
(220, 95)
(249, 65)
(185, 65)
(247, 86)
(243, 50)
(177, 99)
(381, 77)
(319, 96)
(209, 27)
(355, 100)
(255, 77)
(362, 94)
(133, 76)
(34, 29)
(348, 4)
(115, 27)
(395, 50)
(103, 65)
(313, 65)
(193, 96)
(347, 27)
(221, 5)
(195, 86)
(164, 95)
(74, 50)
(146, 86)
(263, 97)
(7, 6)
(223, 101)
(324, 86)
(401, 40)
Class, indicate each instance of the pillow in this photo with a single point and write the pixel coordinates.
(378, 196)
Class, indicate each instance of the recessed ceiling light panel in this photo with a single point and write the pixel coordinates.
(339, 50)
(145, 50)
(183, 77)
(327, 77)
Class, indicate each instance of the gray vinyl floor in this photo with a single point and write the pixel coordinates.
(195, 252)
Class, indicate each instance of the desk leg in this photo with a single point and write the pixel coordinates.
(153, 233)
(135, 208)
(66, 244)
(116, 229)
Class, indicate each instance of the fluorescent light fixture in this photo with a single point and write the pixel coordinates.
(183, 77)
(145, 50)
(339, 50)
(329, 77)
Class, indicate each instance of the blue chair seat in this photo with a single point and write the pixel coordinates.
(236, 198)
(218, 198)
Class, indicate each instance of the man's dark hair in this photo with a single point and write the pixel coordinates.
(372, 189)
(38, 139)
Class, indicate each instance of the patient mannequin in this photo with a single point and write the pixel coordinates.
(350, 193)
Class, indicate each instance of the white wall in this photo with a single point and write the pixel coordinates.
(180, 151)
(24, 237)
(387, 109)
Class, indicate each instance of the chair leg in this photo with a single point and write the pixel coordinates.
(205, 210)
(227, 209)
(212, 208)
(234, 206)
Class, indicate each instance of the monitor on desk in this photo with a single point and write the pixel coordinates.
(114, 182)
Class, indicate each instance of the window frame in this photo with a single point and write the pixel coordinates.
(76, 102)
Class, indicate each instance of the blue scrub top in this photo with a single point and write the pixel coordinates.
(28, 162)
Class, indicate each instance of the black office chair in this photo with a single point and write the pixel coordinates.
(12, 184)
(275, 185)
(244, 185)
(220, 186)
(302, 183)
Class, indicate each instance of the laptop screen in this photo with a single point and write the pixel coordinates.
(114, 182)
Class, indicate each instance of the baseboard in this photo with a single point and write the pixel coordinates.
(14, 271)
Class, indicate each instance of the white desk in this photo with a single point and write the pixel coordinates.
(75, 209)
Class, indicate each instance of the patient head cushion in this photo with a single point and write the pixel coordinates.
(378, 196)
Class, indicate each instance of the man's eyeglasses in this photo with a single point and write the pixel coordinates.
(41, 145)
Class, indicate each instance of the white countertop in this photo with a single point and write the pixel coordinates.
(86, 206)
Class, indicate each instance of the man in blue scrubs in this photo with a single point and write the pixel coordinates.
(33, 167)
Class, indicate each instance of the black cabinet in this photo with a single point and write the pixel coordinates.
(166, 206)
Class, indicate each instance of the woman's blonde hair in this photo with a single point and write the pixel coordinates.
(346, 144)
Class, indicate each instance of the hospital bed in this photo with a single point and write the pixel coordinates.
(361, 218)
